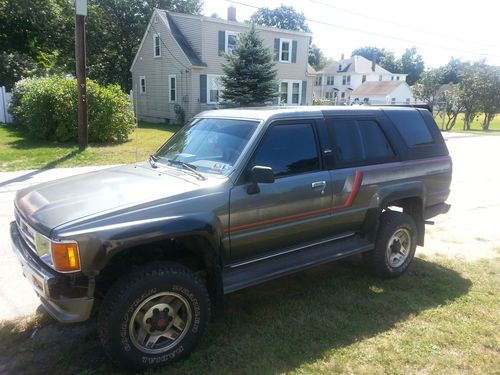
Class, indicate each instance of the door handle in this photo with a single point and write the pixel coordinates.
(318, 184)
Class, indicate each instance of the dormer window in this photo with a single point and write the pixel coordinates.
(285, 50)
(340, 67)
(231, 39)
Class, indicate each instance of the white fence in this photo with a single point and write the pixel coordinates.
(5, 96)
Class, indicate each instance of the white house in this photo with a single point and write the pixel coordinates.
(340, 79)
(384, 92)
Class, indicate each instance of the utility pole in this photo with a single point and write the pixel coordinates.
(81, 79)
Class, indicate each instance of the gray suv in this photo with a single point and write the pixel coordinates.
(236, 198)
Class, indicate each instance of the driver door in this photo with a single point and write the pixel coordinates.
(292, 210)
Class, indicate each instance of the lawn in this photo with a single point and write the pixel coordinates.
(440, 317)
(18, 151)
(475, 127)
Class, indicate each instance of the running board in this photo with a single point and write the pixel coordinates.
(245, 274)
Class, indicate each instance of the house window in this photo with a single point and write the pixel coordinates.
(366, 100)
(329, 80)
(348, 80)
(393, 101)
(214, 88)
(392, 78)
(142, 84)
(319, 80)
(380, 78)
(172, 88)
(290, 92)
(363, 79)
(342, 96)
(340, 68)
(156, 45)
(329, 95)
(285, 50)
(231, 38)
(397, 78)
(407, 100)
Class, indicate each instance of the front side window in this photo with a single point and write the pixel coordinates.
(319, 80)
(285, 50)
(172, 87)
(344, 80)
(214, 89)
(363, 78)
(156, 45)
(231, 39)
(208, 145)
(288, 150)
(284, 93)
(348, 80)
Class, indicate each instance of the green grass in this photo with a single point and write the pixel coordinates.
(475, 127)
(441, 317)
(19, 151)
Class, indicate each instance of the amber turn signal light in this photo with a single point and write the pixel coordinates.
(65, 256)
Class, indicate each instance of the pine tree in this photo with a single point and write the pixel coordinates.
(249, 74)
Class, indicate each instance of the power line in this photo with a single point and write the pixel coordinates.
(379, 34)
(401, 25)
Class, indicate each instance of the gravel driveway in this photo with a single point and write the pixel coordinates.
(469, 231)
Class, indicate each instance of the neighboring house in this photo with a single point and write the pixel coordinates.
(178, 64)
(339, 79)
(383, 92)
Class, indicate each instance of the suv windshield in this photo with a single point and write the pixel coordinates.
(209, 145)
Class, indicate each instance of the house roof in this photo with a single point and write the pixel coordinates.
(244, 24)
(182, 41)
(355, 64)
(310, 69)
(377, 88)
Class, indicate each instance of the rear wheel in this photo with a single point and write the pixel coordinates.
(153, 316)
(395, 245)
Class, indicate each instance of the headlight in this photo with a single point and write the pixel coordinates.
(62, 256)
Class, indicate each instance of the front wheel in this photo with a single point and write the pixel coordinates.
(395, 245)
(153, 316)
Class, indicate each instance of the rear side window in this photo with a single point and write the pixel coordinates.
(411, 126)
(359, 141)
(288, 150)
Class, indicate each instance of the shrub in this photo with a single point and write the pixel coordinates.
(322, 102)
(47, 107)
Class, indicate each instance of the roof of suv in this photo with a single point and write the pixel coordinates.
(265, 113)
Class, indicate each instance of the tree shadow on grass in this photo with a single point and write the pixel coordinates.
(282, 324)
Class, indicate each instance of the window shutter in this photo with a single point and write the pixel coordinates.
(222, 42)
(304, 90)
(203, 88)
(294, 51)
(276, 49)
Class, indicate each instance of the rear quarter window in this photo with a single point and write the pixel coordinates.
(411, 126)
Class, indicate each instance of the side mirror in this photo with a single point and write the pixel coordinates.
(262, 175)
(259, 175)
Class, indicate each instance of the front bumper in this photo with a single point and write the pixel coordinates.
(68, 299)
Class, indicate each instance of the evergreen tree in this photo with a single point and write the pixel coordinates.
(249, 74)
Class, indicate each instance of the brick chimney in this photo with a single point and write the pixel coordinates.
(342, 57)
(231, 13)
(374, 62)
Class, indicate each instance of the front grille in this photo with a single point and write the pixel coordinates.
(27, 233)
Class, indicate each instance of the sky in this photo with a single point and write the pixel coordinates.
(440, 29)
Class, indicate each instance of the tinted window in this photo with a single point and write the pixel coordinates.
(359, 141)
(288, 149)
(411, 126)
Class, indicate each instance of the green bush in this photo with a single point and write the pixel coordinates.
(322, 102)
(47, 107)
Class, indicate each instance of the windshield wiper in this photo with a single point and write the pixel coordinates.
(152, 160)
(189, 167)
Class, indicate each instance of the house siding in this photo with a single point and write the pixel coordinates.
(203, 36)
(154, 105)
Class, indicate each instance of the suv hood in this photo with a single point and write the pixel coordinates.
(53, 203)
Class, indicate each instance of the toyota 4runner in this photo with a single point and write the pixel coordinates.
(233, 199)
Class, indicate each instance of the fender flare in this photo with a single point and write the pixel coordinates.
(392, 193)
